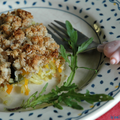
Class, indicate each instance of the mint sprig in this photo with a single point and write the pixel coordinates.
(67, 92)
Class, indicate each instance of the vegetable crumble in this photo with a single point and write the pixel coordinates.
(28, 53)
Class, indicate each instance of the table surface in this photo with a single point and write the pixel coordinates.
(112, 114)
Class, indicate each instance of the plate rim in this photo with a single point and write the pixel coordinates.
(110, 102)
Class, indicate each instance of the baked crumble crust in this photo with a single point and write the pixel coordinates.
(25, 46)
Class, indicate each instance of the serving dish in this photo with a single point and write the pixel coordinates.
(98, 19)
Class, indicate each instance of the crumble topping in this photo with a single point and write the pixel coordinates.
(24, 46)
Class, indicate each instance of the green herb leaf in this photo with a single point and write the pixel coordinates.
(69, 102)
(63, 53)
(67, 88)
(74, 37)
(87, 97)
(82, 47)
(44, 89)
(89, 69)
(69, 27)
(73, 63)
(57, 105)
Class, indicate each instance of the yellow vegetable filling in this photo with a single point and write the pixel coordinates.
(46, 72)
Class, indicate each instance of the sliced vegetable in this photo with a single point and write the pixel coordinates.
(59, 69)
(24, 87)
(9, 88)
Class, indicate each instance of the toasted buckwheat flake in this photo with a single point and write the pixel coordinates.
(24, 46)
